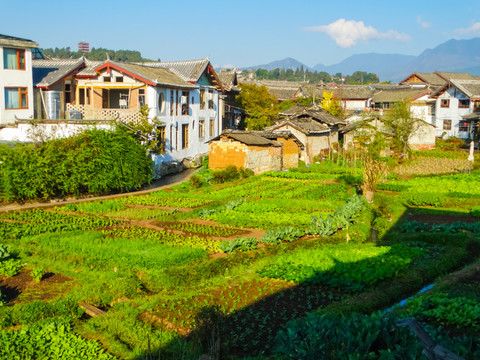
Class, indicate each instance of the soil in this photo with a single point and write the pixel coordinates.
(23, 284)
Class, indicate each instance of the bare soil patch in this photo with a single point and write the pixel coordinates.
(23, 285)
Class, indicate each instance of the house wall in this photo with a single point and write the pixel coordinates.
(197, 145)
(349, 104)
(24, 131)
(315, 145)
(301, 137)
(16, 78)
(452, 113)
(420, 109)
(423, 138)
(261, 159)
(226, 152)
(290, 153)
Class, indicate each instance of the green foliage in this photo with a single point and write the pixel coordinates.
(93, 207)
(331, 105)
(37, 274)
(94, 161)
(424, 198)
(50, 339)
(361, 78)
(144, 130)
(458, 226)
(401, 125)
(439, 308)
(10, 267)
(239, 244)
(260, 106)
(96, 54)
(355, 336)
(300, 74)
(341, 218)
(347, 266)
(30, 313)
(282, 233)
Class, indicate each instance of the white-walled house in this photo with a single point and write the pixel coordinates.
(16, 84)
(184, 96)
(454, 103)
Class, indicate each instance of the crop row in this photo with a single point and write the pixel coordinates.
(177, 202)
(210, 230)
(163, 237)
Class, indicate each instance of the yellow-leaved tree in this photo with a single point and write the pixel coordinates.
(331, 105)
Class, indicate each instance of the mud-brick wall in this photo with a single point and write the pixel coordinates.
(261, 159)
(227, 152)
(290, 153)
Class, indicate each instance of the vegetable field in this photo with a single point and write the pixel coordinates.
(290, 265)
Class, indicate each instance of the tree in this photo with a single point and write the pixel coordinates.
(261, 108)
(145, 131)
(331, 105)
(375, 167)
(401, 125)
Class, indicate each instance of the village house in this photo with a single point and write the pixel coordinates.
(232, 115)
(245, 149)
(16, 81)
(185, 97)
(316, 130)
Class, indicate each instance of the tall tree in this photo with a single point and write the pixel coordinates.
(401, 125)
(261, 108)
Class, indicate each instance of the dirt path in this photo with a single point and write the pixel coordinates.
(155, 185)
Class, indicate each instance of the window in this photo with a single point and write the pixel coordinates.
(68, 91)
(201, 128)
(171, 102)
(444, 103)
(118, 78)
(161, 139)
(14, 59)
(141, 97)
(161, 103)
(107, 79)
(202, 98)
(176, 137)
(171, 138)
(464, 104)
(210, 99)
(212, 127)
(16, 98)
(185, 136)
(178, 102)
(447, 124)
(463, 126)
(185, 104)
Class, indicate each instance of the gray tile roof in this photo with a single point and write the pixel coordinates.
(315, 113)
(159, 76)
(189, 70)
(396, 95)
(305, 125)
(228, 79)
(16, 41)
(48, 72)
(452, 75)
(246, 137)
(471, 88)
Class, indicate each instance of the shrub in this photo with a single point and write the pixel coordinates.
(37, 274)
(229, 174)
(196, 181)
(94, 161)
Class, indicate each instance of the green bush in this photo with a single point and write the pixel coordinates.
(94, 161)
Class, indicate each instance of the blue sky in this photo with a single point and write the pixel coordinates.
(244, 33)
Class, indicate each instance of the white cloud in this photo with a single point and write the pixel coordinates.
(347, 33)
(472, 30)
(422, 23)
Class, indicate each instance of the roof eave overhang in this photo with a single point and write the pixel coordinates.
(110, 65)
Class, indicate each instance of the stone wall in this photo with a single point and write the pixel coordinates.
(261, 159)
(290, 153)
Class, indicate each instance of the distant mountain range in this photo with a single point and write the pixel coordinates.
(453, 56)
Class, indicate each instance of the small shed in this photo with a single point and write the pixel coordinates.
(245, 149)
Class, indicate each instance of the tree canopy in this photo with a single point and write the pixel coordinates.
(401, 125)
(361, 78)
(261, 107)
(99, 54)
(331, 105)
